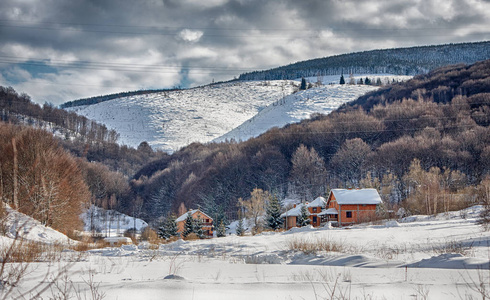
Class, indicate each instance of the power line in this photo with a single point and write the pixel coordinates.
(259, 33)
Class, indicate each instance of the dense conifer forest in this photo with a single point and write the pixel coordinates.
(399, 61)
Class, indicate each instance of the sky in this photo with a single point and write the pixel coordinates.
(58, 50)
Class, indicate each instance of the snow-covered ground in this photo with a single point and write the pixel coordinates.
(109, 222)
(172, 120)
(442, 257)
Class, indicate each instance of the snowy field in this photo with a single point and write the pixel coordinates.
(172, 120)
(420, 257)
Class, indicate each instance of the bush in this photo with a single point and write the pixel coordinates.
(191, 237)
(150, 235)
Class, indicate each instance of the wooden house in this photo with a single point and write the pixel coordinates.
(207, 222)
(291, 216)
(315, 208)
(350, 206)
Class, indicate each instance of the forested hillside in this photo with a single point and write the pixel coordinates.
(427, 138)
(399, 61)
(53, 162)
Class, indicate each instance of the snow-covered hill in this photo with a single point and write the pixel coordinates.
(299, 106)
(171, 120)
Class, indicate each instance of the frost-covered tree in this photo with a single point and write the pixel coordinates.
(304, 218)
(273, 213)
(342, 79)
(168, 228)
(188, 225)
(221, 232)
(240, 230)
(307, 176)
(255, 207)
(197, 228)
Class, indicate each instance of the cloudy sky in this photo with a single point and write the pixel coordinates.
(61, 50)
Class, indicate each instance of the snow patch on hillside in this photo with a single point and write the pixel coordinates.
(109, 222)
(19, 225)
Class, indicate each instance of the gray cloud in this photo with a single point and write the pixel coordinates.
(59, 50)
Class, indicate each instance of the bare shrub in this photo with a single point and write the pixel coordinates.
(452, 247)
(308, 246)
(150, 235)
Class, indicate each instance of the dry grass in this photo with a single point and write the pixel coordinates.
(151, 236)
(312, 246)
(191, 237)
(453, 247)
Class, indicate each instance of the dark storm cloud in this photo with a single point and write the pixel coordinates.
(94, 47)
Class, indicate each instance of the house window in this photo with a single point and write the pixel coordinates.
(314, 209)
(348, 214)
(314, 220)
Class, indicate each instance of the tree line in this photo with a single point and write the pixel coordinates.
(51, 176)
(399, 61)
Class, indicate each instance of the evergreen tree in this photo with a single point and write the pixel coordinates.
(197, 228)
(360, 81)
(221, 232)
(304, 218)
(367, 81)
(168, 228)
(239, 228)
(342, 80)
(188, 226)
(273, 213)
(303, 84)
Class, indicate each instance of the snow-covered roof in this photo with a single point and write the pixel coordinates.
(184, 216)
(360, 196)
(320, 201)
(294, 212)
(330, 211)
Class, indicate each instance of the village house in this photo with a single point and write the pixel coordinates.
(343, 207)
(349, 206)
(207, 222)
(314, 209)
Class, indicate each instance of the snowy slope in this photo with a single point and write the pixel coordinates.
(19, 225)
(109, 222)
(171, 120)
(301, 105)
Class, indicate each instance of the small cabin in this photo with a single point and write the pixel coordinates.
(350, 206)
(291, 216)
(207, 222)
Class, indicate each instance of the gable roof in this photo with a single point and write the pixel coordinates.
(361, 196)
(320, 201)
(294, 212)
(184, 216)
